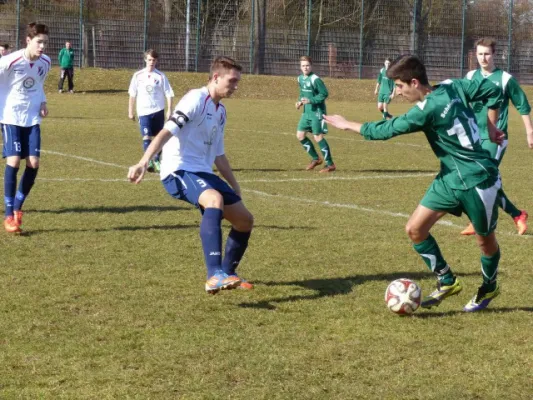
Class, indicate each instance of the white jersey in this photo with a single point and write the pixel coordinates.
(150, 90)
(21, 88)
(198, 128)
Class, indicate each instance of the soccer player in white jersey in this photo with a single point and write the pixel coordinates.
(192, 141)
(150, 87)
(485, 49)
(22, 106)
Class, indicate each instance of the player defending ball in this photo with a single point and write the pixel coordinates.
(192, 141)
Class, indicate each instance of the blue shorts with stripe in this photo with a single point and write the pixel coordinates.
(152, 124)
(21, 141)
(188, 186)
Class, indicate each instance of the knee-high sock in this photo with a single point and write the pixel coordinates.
(10, 188)
(235, 247)
(25, 185)
(508, 206)
(211, 235)
(326, 152)
(309, 148)
(430, 252)
(489, 269)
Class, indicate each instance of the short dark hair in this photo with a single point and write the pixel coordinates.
(406, 68)
(5, 46)
(486, 42)
(152, 53)
(223, 63)
(33, 29)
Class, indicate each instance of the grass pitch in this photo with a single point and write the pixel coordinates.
(103, 298)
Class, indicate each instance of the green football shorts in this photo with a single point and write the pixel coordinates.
(384, 98)
(480, 203)
(312, 123)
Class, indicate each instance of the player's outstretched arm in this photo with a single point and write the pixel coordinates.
(339, 122)
(136, 172)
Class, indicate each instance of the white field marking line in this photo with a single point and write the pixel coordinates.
(84, 159)
(264, 194)
(338, 178)
(354, 139)
(360, 208)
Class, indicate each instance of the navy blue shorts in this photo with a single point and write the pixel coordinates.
(21, 141)
(188, 186)
(152, 124)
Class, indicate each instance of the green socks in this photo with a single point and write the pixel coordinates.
(430, 252)
(309, 148)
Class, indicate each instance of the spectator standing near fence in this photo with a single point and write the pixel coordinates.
(66, 62)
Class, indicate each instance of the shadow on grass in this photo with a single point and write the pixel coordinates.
(112, 229)
(333, 286)
(111, 210)
(424, 314)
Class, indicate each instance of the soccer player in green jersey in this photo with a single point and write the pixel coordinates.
(468, 180)
(313, 94)
(384, 90)
(485, 49)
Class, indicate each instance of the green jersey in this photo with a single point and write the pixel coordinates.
(511, 91)
(386, 85)
(313, 88)
(66, 58)
(450, 128)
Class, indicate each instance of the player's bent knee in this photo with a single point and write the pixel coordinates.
(415, 233)
(318, 138)
(300, 135)
(211, 199)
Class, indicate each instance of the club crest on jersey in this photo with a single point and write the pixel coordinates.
(211, 136)
(149, 88)
(28, 83)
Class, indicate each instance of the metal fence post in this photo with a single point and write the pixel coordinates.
(309, 14)
(361, 32)
(510, 43)
(145, 33)
(252, 38)
(463, 27)
(17, 33)
(80, 51)
(187, 34)
(197, 35)
(413, 41)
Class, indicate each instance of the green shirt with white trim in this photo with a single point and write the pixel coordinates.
(511, 91)
(314, 89)
(450, 128)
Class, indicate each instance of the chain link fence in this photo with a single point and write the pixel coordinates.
(345, 38)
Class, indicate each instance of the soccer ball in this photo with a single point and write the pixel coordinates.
(403, 296)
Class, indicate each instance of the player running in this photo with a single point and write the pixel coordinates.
(313, 94)
(192, 141)
(485, 49)
(468, 180)
(384, 90)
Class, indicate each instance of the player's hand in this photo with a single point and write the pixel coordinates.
(44, 110)
(131, 116)
(338, 121)
(136, 173)
(305, 100)
(496, 135)
(530, 139)
(298, 105)
(375, 92)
